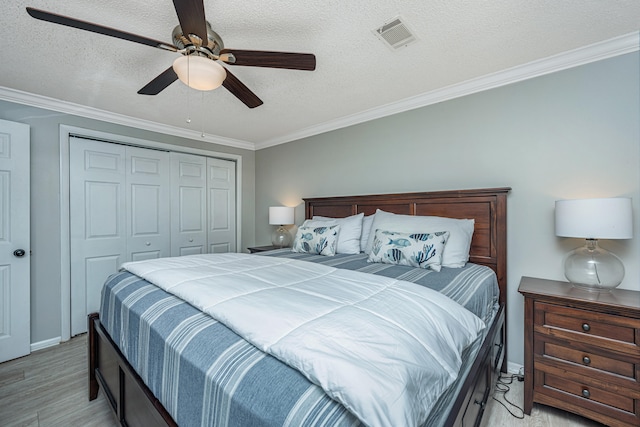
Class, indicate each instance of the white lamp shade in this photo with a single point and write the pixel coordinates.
(281, 215)
(199, 72)
(609, 218)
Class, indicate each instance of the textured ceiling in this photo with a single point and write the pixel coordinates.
(356, 72)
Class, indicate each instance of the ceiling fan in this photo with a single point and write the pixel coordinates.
(201, 48)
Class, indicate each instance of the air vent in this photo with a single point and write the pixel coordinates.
(396, 34)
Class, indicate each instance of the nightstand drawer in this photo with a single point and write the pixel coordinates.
(600, 327)
(589, 359)
(587, 393)
(564, 393)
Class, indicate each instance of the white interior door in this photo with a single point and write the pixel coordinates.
(189, 204)
(15, 308)
(98, 222)
(221, 185)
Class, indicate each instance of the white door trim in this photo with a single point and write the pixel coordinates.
(65, 242)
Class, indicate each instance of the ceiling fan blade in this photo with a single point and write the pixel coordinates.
(259, 58)
(160, 83)
(191, 16)
(95, 28)
(240, 91)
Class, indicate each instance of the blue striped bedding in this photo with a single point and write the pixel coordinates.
(206, 375)
(474, 286)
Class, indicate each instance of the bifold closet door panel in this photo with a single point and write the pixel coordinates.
(97, 222)
(188, 204)
(148, 197)
(221, 187)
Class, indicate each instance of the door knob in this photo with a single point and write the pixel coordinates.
(19, 253)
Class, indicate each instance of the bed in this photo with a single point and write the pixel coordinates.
(115, 368)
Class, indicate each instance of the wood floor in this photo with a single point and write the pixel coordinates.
(49, 388)
(541, 415)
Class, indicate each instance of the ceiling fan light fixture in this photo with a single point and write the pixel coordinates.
(199, 73)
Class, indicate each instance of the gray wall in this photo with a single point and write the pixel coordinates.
(571, 134)
(45, 202)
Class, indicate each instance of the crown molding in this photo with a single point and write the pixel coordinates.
(66, 107)
(617, 46)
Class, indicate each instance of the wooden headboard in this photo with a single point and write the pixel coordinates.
(488, 207)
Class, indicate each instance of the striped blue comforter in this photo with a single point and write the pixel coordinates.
(206, 375)
(475, 287)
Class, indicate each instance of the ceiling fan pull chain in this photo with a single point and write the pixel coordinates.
(188, 71)
(202, 115)
(188, 107)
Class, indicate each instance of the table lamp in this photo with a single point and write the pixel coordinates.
(281, 216)
(592, 267)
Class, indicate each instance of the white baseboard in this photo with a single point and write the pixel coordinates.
(514, 368)
(45, 344)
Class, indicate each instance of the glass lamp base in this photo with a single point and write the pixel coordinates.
(281, 238)
(593, 268)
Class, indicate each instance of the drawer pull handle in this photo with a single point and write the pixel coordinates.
(586, 327)
(586, 393)
(586, 360)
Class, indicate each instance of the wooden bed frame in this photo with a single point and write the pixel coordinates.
(134, 404)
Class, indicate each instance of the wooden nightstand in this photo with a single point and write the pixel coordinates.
(255, 249)
(582, 351)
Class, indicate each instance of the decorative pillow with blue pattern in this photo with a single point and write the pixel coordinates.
(423, 250)
(321, 240)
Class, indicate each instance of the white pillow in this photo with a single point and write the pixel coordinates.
(456, 251)
(367, 222)
(422, 250)
(317, 240)
(350, 231)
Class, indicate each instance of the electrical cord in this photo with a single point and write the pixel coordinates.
(502, 386)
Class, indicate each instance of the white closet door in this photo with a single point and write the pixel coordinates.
(148, 198)
(129, 204)
(221, 185)
(98, 222)
(189, 204)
